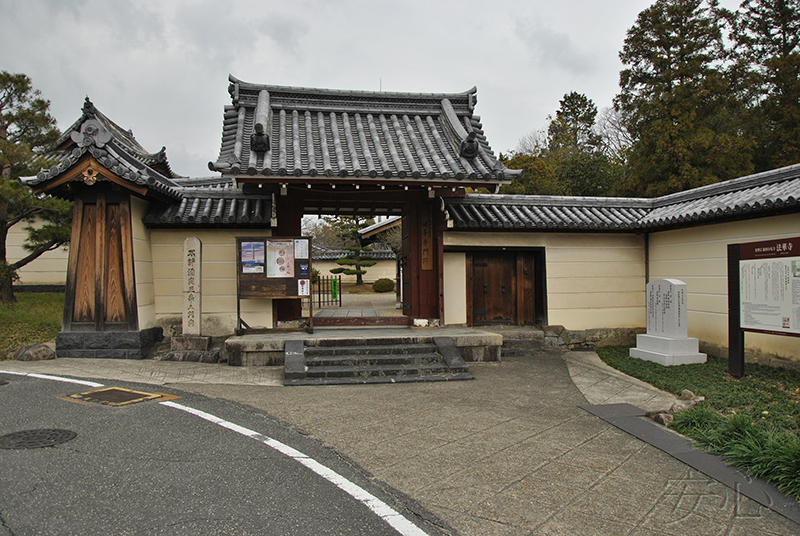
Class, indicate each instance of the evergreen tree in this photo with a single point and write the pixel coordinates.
(574, 152)
(571, 130)
(357, 257)
(27, 132)
(683, 113)
(539, 178)
(767, 35)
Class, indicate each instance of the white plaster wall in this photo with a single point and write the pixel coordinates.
(455, 285)
(218, 284)
(698, 257)
(142, 265)
(49, 269)
(594, 280)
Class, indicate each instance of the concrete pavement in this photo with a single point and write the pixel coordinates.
(508, 454)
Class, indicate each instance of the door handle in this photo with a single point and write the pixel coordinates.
(503, 289)
(486, 289)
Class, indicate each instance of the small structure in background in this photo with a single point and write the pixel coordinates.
(666, 341)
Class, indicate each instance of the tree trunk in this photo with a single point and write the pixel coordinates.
(6, 284)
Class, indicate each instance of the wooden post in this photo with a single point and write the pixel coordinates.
(735, 333)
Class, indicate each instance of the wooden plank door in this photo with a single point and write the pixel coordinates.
(494, 294)
(100, 284)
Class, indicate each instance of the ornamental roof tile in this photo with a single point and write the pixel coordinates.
(116, 149)
(324, 133)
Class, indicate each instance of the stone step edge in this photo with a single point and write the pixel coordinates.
(461, 376)
(372, 359)
(373, 349)
(386, 370)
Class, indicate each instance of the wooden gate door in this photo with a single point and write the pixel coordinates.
(100, 287)
(494, 291)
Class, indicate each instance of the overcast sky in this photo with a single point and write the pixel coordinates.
(160, 67)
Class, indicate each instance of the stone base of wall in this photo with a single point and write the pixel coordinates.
(761, 359)
(107, 344)
(590, 338)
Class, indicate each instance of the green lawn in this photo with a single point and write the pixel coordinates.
(752, 422)
(34, 318)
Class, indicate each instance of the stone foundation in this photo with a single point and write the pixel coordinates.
(107, 344)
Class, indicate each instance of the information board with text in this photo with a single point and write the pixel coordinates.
(769, 286)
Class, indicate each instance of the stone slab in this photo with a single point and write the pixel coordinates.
(668, 360)
(186, 343)
(294, 360)
(668, 345)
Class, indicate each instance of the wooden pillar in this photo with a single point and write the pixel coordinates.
(290, 223)
(422, 257)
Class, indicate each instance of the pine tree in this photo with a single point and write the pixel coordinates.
(357, 257)
(27, 132)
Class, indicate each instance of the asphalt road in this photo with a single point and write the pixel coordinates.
(166, 467)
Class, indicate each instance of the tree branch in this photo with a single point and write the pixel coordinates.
(49, 246)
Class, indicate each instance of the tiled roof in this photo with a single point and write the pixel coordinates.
(214, 208)
(115, 149)
(769, 192)
(481, 211)
(763, 194)
(381, 226)
(404, 137)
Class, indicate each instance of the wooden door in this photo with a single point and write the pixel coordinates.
(494, 291)
(100, 292)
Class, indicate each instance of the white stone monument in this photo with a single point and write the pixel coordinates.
(666, 341)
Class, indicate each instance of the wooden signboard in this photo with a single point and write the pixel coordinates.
(270, 267)
(763, 293)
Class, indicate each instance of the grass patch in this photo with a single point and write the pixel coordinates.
(33, 318)
(752, 422)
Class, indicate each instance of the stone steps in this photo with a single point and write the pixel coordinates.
(357, 361)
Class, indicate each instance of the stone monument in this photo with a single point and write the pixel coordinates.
(666, 341)
(191, 346)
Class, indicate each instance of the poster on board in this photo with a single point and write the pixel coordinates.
(252, 257)
(280, 258)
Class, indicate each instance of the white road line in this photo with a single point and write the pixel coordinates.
(56, 378)
(380, 508)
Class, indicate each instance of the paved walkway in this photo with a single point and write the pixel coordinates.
(507, 454)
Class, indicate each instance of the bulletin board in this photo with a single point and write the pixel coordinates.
(270, 267)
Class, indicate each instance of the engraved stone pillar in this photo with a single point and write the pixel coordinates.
(191, 346)
(192, 306)
(666, 341)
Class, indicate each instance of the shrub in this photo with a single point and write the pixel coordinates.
(383, 285)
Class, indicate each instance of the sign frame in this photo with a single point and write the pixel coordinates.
(772, 263)
(273, 267)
